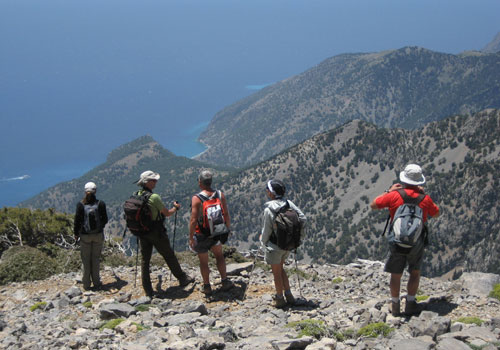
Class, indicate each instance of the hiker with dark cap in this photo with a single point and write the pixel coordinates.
(157, 236)
(274, 255)
(410, 191)
(90, 219)
(209, 228)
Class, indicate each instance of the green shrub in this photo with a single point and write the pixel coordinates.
(39, 305)
(345, 334)
(422, 297)
(118, 259)
(311, 328)
(470, 320)
(337, 280)
(23, 263)
(302, 274)
(143, 307)
(495, 293)
(112, 324)
(140, 327)
(373, 330)
(87, 304)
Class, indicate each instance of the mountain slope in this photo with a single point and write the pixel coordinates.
(407, 88)
(335, 175)
(115, 181)
(494, 45)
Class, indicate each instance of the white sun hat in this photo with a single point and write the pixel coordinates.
(412, 175)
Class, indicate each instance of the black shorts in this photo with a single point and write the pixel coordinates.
(203, 243)
(400, 257)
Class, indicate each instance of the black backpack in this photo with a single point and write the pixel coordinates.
(287, 228)
(138, 213)
(91, 218)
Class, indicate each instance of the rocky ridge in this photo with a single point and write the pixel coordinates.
(338, 299)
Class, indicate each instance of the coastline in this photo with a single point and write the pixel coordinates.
(207, 147)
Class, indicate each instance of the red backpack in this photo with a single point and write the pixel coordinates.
(211, 222)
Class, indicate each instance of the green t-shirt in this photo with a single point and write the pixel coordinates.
(155, 204)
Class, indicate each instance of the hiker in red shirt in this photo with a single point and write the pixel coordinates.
(412, 180)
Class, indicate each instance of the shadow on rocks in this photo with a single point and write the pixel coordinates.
(304, 304)
(235, 293)
(174, 292)
(118, 284)
(441, 305)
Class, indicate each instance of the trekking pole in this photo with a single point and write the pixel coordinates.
(136, 260)
(175, 226)
(250, 275)
(173, 241)
(386, 224)
(297, 272)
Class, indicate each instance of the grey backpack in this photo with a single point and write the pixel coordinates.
(91, 218)
(408, 224)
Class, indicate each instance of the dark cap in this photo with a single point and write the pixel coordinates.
(276, 187)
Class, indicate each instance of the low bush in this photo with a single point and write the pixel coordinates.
(23, 263)
(495, 293)
(422, 297)
(111, 324)
(373, 330)
(312, 328)
(470, 320)
(39, 305)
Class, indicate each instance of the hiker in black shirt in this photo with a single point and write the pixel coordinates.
(90, 219)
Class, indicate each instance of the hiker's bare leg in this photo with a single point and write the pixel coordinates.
(395, 284)
(413, 282)
(204, 269)
(219, 258)
(278, 277)
(284, 277)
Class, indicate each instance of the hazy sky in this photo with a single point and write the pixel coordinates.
(79, 78)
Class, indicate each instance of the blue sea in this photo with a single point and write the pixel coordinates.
(80, 78)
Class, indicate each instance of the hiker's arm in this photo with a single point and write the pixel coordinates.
(394, 187)
(227, 217)
(267, 227)
(433, 211)
(170, 212)
(195, 213)
(103, 213)
(78, 219)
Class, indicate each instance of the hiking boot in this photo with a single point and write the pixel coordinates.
(396, 308)
(207, 290)
(226, 284)
(185, 280)
(279, 301)
(411, 308)
(289, 298)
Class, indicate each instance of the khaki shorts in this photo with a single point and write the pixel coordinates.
(275, 256)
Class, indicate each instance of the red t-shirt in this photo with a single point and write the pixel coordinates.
(393, 200)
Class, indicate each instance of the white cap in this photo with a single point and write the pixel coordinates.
(412, 175)
(147, 176)
(90, 187)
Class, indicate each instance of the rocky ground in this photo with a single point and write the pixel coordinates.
(335, 302)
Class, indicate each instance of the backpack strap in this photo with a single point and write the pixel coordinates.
(204, 197)
(411, 200)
